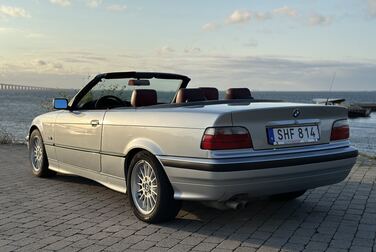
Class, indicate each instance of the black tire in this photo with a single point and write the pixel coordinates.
(40, 167)
(289, 195)
(165, 206)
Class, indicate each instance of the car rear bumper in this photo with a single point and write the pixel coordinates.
(220, 179)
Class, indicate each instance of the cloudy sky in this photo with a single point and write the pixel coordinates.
(261, 44)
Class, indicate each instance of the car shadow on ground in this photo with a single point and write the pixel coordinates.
(200, 213)
(191, 210)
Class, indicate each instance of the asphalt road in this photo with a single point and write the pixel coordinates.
(69, 213)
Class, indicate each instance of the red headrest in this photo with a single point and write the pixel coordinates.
(190, 95)
(210, 93)
(143, 97)
(238, 93)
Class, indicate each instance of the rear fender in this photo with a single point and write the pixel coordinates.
(143, 143)
(137, 145)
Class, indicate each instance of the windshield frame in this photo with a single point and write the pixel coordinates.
(124, 75)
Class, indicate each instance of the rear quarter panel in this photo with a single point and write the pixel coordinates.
(162, 132)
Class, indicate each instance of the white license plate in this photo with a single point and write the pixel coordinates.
(293, 135)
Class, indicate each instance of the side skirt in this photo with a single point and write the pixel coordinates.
(114, 183)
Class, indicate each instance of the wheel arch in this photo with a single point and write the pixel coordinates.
(131, 154)
(31, 129)
(150, 147)
(128, 159)
(36, 125)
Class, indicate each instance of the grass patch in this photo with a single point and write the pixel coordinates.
(6, 137)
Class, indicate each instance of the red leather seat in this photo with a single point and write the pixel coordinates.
(238, 93)
(190, 95)
(210, 93)
(143, 97)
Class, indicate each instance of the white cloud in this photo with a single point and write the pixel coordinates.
(286, 11)
(209, 26)
(242, 16)
(317, 19)
(35, 35)
(45, 65)
(22, 33)
(63, 3)
(239, 16)
(372, 7)
(262, 72)
(192, 50)
(166, 50)
(9, 11)
(6, 30)
(93, 3)
(89, 3)
(116, 7)
(262, 16)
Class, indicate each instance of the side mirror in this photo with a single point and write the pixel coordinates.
(60, 103)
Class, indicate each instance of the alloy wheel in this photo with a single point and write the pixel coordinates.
(144, 187)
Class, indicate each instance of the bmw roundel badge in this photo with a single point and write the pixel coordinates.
(296, 113)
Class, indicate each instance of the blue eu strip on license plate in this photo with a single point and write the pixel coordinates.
(293, 135)
(270, 136)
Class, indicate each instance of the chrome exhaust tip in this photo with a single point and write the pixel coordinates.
(233, 205)
(225, 205)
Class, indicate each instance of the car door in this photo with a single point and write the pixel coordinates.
(78, 138)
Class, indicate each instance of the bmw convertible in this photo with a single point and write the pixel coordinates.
(148, 135)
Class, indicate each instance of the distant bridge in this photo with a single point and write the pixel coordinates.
(10, 87)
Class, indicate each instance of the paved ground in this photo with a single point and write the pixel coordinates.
(74, 214)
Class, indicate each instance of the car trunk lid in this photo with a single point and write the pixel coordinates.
(262, 119)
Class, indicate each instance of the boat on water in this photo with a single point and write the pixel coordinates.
(354, 110)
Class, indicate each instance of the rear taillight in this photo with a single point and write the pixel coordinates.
(224, 138)
(340, 130)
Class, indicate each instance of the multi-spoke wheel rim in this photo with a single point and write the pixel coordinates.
(36, 153)
(144, 187)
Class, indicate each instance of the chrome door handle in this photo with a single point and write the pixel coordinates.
(94, 123)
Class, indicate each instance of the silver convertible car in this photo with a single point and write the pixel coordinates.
(149, 135)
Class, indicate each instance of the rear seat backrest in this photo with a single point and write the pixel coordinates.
(143, 97)
(190, 95)
(210, 93)
(238, 93)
